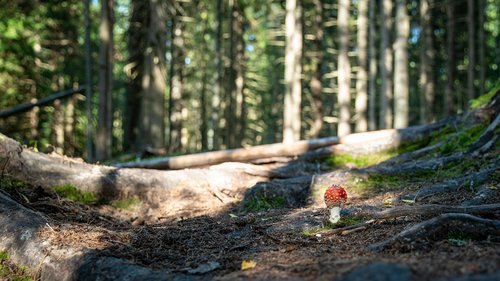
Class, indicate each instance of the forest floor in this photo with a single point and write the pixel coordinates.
(428, 211)
(265, 240)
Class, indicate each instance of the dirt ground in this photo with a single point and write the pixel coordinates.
(233, 245)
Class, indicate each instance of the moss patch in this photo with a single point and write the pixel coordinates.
(261, 203)
(7, 182)
(359, 161)
(126, 204)
(11, 271)
(483, 100)
(70, 192)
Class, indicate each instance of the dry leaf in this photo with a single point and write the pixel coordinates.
(247, 265)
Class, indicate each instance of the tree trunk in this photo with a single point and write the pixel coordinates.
(176, 85)
(362, 75)
(449, 100)
(344, 69)
(134, 70)
(385, 118)
(69, 126)
(317, 76)
(481, 42)
(216, 98)
(293, 70)
(236, 119)
(152, 106)
(427, 56)
(471, 92)
(372, 121)
(89, 146)
(105, 121)
(401, 83)
(58, 127)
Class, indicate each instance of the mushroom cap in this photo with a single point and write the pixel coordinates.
(335, 195)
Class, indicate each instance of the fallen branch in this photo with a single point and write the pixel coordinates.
(231, 155)
(443, 223)
(347, 229)
(427, 210)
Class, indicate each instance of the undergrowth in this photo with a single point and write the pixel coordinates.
(70, 192)
(14, 272)
(261, 203)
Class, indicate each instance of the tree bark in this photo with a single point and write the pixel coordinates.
(362, 75)
(386, 94)
(293, 71)
(216, 98)
(427, 56)
(401, 82)
(89, 145)
(481, 42)
(317, 76)
(105, 116)
(344, 69)
(471, 32)
(372, 121)
(176, 83)
(152, 106)
(449, 100)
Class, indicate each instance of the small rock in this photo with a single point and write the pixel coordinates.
(204, 268)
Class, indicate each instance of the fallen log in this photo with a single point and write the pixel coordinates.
(161, 193)
(444, 223)
(358, 143)
(231, 155)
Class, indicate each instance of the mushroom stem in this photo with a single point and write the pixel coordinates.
(335, 214)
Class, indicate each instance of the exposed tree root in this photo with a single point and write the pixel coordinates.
(19, 232)
(427, 210)
(442, 224)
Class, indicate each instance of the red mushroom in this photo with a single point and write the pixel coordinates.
(335, 196)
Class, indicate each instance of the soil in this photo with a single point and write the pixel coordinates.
(270, 243)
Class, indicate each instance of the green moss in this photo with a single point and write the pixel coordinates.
(463, 140)
(7, 182)
(359, 161)
(261, 203)
(11, 271)
(483, 100)
(126, 204)
(70, 192)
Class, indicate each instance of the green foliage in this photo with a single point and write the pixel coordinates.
(70, 192)
(126, 204)
(261, 203)
(484, 99)
(7, 182)
(463, 140)
(11, 271)
(359, 161)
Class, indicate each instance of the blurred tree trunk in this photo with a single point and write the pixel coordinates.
(385, 118)
(89, 146)
(427, 56)
(481, 41)
(204, 81)
(153, 78)
(317, 75)
(372, 121)
(362, 75)
(105, 114)
(69, 126)
(449, 100)
(58, 127)
(134, 70)
(239, 63)
(471, 93)
(216, 98)
(401, 91)
(176, 83)
(344, 69)
(293, 71)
